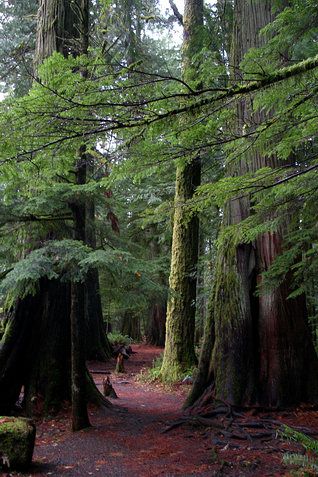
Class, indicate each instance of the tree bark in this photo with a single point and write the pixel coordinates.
(58, 28)
(157, 325)
(80, 418)
(97, 344)
(263, 353)
(35, 351)
(179, 354)
(131, 325)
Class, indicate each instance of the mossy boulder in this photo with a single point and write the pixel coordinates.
(17, 438)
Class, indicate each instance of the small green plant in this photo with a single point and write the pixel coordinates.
(116, 339)
(154, 371)
(307, 463)
(152, 374)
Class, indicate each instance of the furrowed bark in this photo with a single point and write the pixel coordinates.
(263, 353)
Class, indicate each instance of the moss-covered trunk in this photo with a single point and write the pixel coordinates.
(179, 354)
(263, 352)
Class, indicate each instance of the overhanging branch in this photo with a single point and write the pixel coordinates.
(176, 12)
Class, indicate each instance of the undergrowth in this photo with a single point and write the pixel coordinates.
(154, 373)
(307, 463)
(116, 339)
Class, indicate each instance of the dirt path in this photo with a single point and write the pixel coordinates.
(127, 441)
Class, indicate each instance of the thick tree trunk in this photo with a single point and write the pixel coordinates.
(131, 326)
(204, 376)
(58, 28)
(157, 325)
(288, 366)
(36, 347)
(263, 352)
(35, 351)
(179, 354)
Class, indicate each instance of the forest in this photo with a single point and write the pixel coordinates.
(158, 237)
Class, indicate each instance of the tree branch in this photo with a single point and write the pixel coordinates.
(176, 12)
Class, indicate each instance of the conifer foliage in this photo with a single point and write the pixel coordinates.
(94, 146)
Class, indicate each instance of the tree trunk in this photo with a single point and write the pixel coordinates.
(179, 354)
(288, 366)
(78, 295)
(58, 28)
(157, 326)
(36, 347)
(97, 344)
(35, 351)
(80, 418)
(131, 326)
(263, 353)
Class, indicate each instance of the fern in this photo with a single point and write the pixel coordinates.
(309, 462)
(302, 461)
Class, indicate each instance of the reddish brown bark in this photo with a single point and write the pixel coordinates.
(287, 359)
(263, 352)
(157, 327)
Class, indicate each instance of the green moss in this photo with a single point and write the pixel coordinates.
(7, 332)
(17, 438)
(230, 320)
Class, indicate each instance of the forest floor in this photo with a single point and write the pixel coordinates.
(130, 439)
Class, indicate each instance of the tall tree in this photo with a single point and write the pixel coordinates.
(179, 352)
(68, 34)
(64, 27)
(46, 372)
(258, 349)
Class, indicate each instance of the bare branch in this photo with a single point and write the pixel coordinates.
(176, 12)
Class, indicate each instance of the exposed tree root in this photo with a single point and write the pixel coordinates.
(229, 424)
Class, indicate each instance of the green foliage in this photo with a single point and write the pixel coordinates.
(116, 339)
(125, 110)
(307, 462)
(17, 40)
(153, 374)
(57, 259)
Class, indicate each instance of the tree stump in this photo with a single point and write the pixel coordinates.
(120, 368)
(17, 439)
(108, 389)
